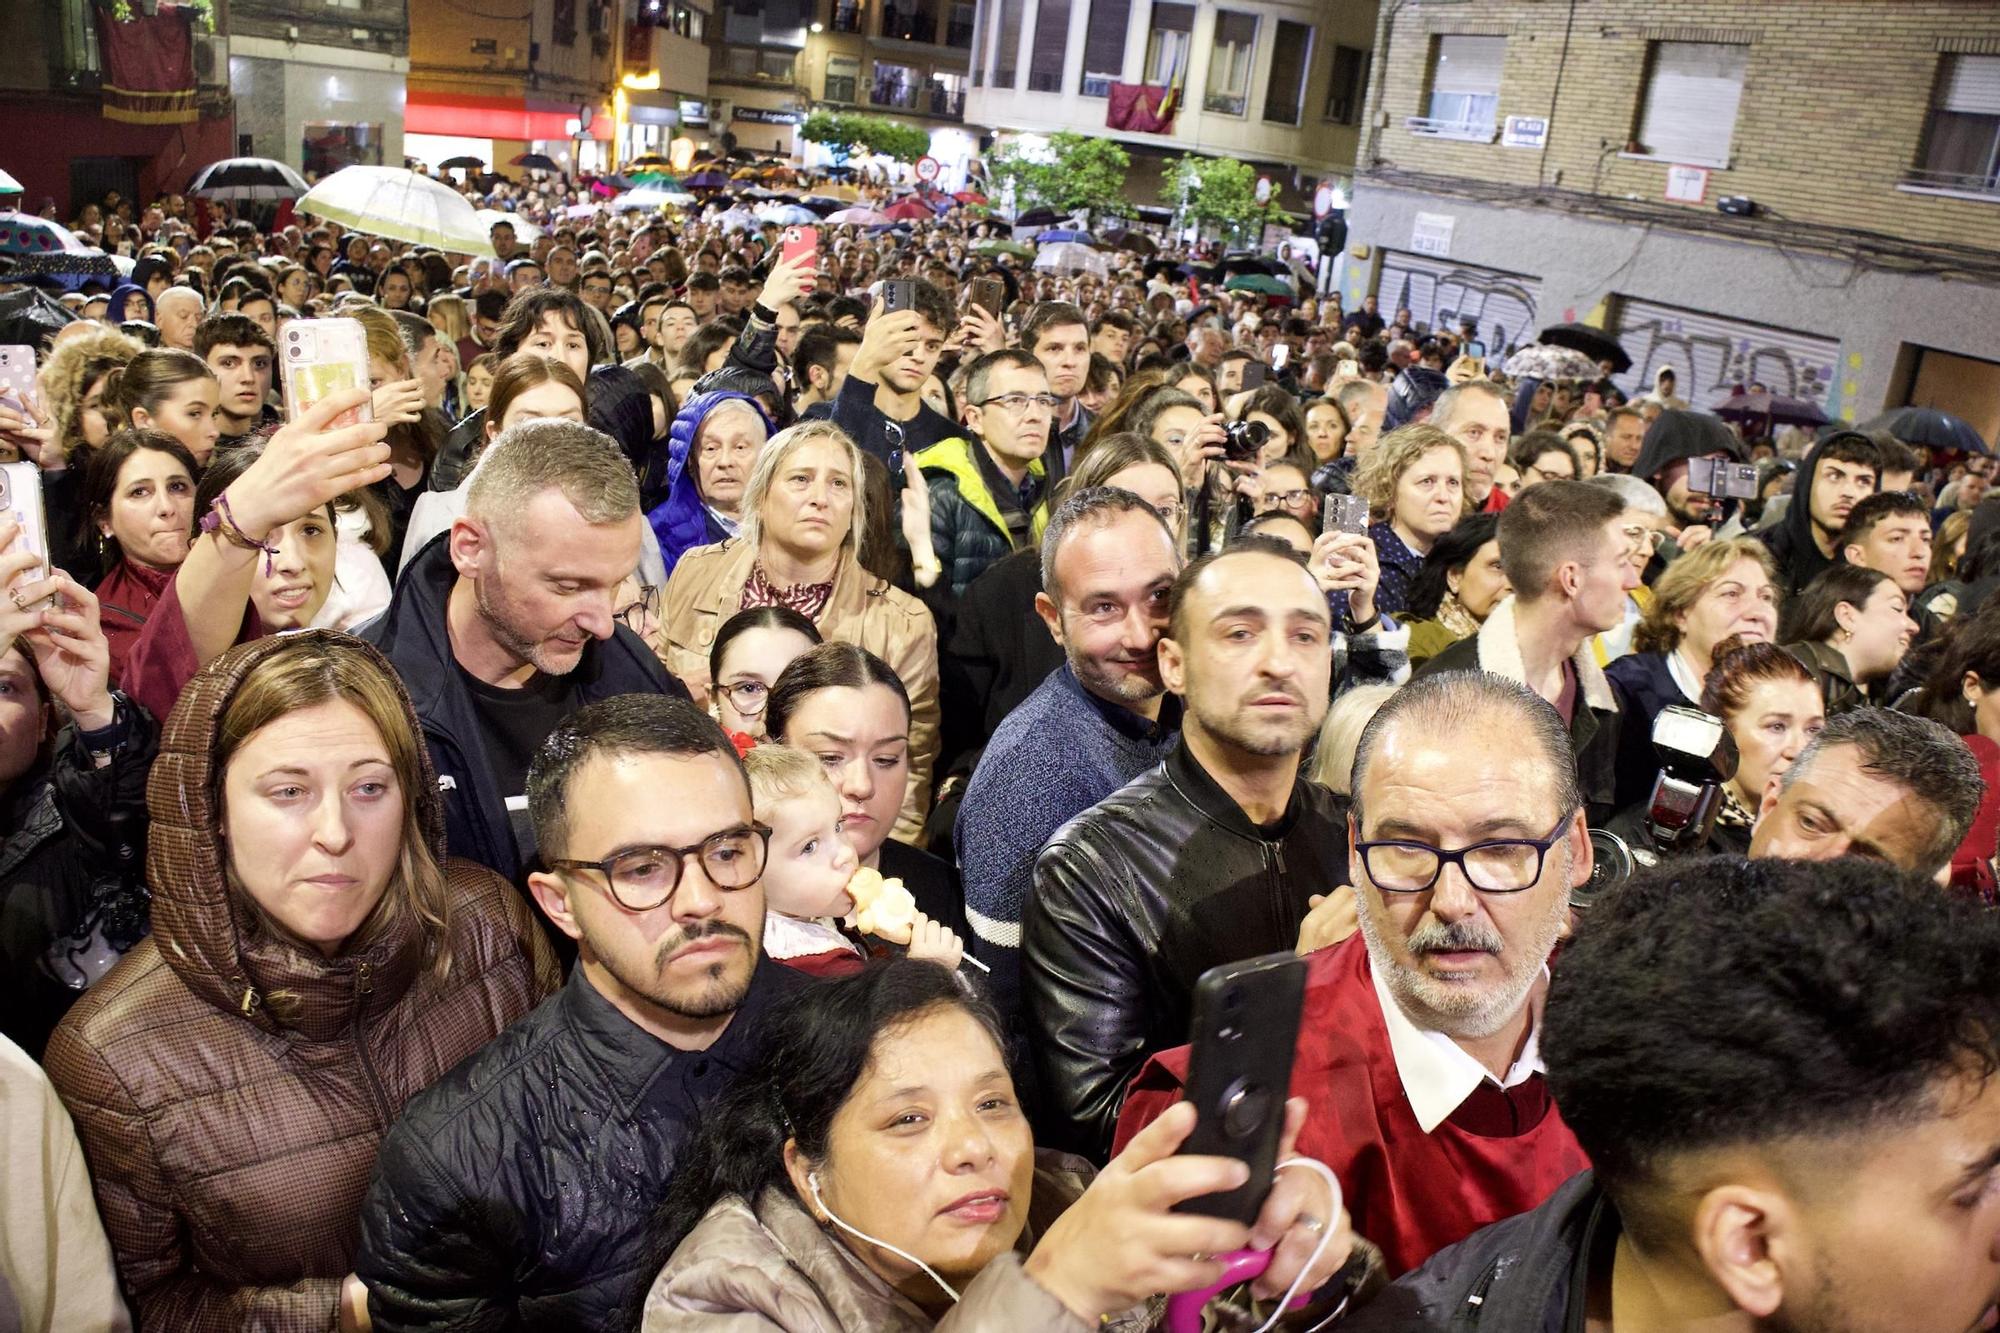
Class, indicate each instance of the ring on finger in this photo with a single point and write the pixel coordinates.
(14, 596)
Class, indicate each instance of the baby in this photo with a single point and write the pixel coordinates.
(809, 868)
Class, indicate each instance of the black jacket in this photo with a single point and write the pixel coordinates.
(998, 652)
(72, 876)
(1791, 540)
(516, 1191)
(853, 410)
(1644, 686)
(610, 396)
(1528, 1274)
(1133, 900)
(413, 634)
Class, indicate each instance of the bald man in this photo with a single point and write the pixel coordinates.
(177, 312)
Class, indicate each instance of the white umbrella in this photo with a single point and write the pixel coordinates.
(8, 185)
(526, 232)
(649, 197)
(1070, 257)
(737, 219)
(401, 205)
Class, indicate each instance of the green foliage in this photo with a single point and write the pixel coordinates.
(201, 12)
(1080, 172)
(1219, 191)
(850, 135)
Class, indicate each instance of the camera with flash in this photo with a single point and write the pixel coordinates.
(1697, 756)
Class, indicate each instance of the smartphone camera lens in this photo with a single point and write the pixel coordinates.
(1243, 1109)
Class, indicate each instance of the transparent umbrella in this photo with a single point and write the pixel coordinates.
(401, 205)
(1070, 258)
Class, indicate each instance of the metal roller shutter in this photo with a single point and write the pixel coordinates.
(1710, 354)
(1439, 293)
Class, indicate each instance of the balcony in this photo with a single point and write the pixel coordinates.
(959, 33)
(847, 18)
(946, 104)
(1435, 127)
(893, 93)
(682, 62)
(1955, 184)
(901, 27)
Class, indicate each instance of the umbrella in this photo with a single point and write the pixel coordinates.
(1594, 343)
(859, 217)
(534, 161)
(525, 231)
(969, 197)
(1249, 263)
(1067, 235)
(72, 268)
(1770, 409)
(8, 185)
(1132, 242)
(1263, 284)
(652, 176)
(909, 210)
(462, 164)
(26, 234)
(1915, 425)
(28, 316)
(822, 205)
(788, 215)
(998, 246)
(1038, 217)
(649, 162)
(1543, 362)
(580, 210)
(649, 197)
(401, 205)
(1069, 257)
(706, 180)
(744, 174)
(738, 219)
(254, 179)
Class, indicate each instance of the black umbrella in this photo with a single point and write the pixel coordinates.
(1244, 262)
(1038, 217)
(1133, 242)
(247, 179)
(535, 162)
(28, 316)
(1593, 343)
(1770, 409)
(462, 164)
(1930, 428)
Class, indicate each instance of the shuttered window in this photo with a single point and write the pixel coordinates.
(1007, 47)
(1045, 72)
(1104, 46)
(1692, 92)
(1291, 53)
(1961, 149)
(1465, 83)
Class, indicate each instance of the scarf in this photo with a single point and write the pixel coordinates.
(808, 599)
(1454, 617)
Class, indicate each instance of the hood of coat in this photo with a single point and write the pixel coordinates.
(204, 929)
(1797, 521)
(677, 521)
(1675, 435)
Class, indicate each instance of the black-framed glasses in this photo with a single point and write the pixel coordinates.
(1498, 865)
(1286, 497)
(634, 614)
(644, 878)
(1021, 402)
(747, 697)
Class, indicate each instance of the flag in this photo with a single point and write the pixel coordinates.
(1141, 108)
(148, 68)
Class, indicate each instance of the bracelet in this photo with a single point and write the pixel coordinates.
(106, 739)
(221, 521)
(1364, 626)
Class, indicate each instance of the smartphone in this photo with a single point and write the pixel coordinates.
(1280, 354)
(21, 500)
(1246, 1024)
(799, 241)
(320, 358)
(899, 294)
(1343, 513)
(1347, 370)
(1722, 479)
(1253, 375)
(17, 379)
(989, 294)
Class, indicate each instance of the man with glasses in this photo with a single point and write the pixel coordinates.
(989, 493)
(516, 1191)
(1418, 1046)
(505, 624)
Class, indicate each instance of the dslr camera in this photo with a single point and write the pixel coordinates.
(1697, 756)
(1244, 441)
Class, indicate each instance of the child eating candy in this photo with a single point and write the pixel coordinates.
(808, 869)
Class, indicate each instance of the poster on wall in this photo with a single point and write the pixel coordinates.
(1431, 234)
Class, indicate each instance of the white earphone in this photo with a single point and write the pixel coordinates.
(812, 1184)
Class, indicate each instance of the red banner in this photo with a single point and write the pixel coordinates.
(148, 68)
(1139, 107)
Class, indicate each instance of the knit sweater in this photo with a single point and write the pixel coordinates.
(1061, 752)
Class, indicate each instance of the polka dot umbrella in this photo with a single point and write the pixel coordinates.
(26, 234)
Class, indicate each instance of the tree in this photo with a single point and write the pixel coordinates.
(1074, 172)
(849, 134)
(1217, 190)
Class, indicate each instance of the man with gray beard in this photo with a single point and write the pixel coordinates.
(1418, 1047)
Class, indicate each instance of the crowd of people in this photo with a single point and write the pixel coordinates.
(701, 799)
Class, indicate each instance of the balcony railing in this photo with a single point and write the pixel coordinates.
(1984, 184)
(1224, 104)
(901, 27)
(1473, 131)
(946, 104)
(887, 92)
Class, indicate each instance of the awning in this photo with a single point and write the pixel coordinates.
(475, 117)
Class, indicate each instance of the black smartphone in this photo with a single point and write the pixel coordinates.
(899, 294)
(1253, 374)
(989, 294)
(1246, 1024)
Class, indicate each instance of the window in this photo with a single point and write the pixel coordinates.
(1961, 149)
(1007, 58)
(1051, 44)
(775, 65)
(1104, 46)
(947, 95)
(1347, 88)
(959, 31)
(978, 50)
(842, 72)
(1290, 58)
(1689, 114)
(1167, 46)
(846, 16)
(1229, 63)
(564, 23)
(895, 85)
(1465, 87)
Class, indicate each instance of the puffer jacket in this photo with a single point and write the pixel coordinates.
(681, 521)
(230, 1146)
(770, 1266)
(1133, 900)
(706, 588)
(968, 530)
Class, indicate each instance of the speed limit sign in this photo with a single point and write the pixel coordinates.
(927, 168)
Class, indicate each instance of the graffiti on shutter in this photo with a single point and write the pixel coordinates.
(1439, 293)
(1711, 354)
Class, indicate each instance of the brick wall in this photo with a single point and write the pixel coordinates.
(1835, 98)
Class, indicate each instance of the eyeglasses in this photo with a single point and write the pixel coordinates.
(1649, 538)
(634, 615)
(645, 878)
(1500, 865)
(1285, 497)
(1021, 402)
(748, 697)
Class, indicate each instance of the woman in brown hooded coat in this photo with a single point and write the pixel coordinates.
(315, 960)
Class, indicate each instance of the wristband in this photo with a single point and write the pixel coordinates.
(111, 737)
(221, 521)
(1364, 626)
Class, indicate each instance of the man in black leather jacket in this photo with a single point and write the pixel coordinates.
(515, 1192)
(1208, 859)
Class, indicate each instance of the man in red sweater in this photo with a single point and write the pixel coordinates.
(1418, 1049)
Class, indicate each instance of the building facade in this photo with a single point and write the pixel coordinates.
(1804, 196)
(1273, 82)
(320, 87)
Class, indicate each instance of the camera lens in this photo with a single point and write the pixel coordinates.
(1611, 864)
(1256, 432)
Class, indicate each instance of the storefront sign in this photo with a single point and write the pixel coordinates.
(1432, 234)
(758, 115)
(1525, 132)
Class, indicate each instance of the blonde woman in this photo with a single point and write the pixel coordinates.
(1414, 482)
